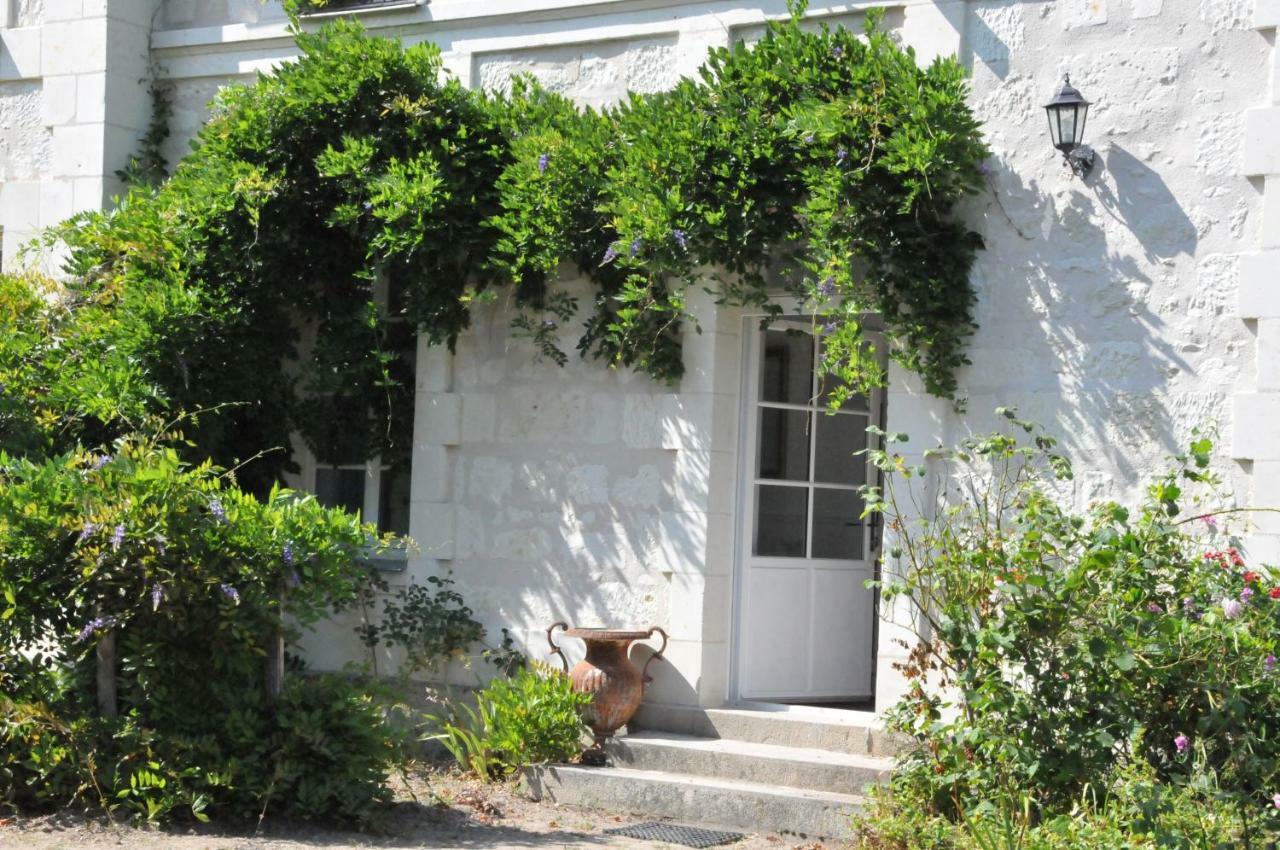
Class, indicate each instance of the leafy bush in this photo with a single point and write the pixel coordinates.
(323, 751)
(1057, 648)
(432, 624)
(189, 581)
(532, 717)
(1137, 812)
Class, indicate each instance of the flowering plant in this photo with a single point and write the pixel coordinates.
(1057, 647)
(188, 580)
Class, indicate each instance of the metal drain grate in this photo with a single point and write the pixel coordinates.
(674, 833)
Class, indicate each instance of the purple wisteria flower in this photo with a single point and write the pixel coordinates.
(230, 592)
(837, 52)
(829, 328)
(828, 287)
(1232, 608)
(682, 238)
(842, 153)
(88, 531)
(219, 512)
(101, 461)
(543, 161)
(1269, 663)
(636, 245)
(287, 554)
(117, 537)
(95, 625)
(294, 579)
(157, 595)
(610, 254)
(810, 139)
(1181, 743)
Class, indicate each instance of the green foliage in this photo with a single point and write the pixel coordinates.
(1139, 812)
(191, 578)
(1058, 648)
(532, 717)
(828, 155)
(431, 624)
(323, 751)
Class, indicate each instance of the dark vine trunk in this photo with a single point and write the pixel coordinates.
(274, 678)
(106, 675)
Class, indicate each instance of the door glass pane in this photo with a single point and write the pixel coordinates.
(784, 444)
(839, 435)
(787, 367)
(781, 519)
(340, 488)
(837, 530)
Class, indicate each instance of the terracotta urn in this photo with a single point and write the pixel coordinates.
(607, 674)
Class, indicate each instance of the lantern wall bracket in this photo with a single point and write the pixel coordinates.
(1081, 160)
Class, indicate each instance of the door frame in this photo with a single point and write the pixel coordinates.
(750, 354)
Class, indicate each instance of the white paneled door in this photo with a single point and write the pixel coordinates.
(806, 618)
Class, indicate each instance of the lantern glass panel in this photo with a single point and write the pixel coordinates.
(1067, 126)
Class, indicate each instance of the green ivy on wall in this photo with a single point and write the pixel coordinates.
(827, 159)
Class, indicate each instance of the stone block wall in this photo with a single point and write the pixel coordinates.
(73, 105)
(1256, 433)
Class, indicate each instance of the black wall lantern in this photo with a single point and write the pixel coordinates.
(1067, 112)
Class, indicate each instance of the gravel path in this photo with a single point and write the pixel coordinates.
(450, 813)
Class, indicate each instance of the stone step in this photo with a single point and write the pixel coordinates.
(697, 800)
(796, 767)
(853, 732)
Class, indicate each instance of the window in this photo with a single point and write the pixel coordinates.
(378, 492)
(806, 471)
(378, 488)
(311, 8)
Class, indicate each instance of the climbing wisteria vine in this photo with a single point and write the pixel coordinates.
(821, 164)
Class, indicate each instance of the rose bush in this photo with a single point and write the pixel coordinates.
(1057, 648)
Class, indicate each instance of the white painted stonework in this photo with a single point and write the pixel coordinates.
(1120, 311)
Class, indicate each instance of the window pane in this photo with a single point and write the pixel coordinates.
(837, 530)
(827, 385)
(787, 367)
(839, 435)
(781, 514)
(393, 501)
(340, 488)
(784, 444)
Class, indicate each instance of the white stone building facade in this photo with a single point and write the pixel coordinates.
(1120, 311)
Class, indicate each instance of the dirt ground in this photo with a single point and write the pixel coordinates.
(449, 812)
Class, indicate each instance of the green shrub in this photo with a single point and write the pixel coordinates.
(1057, 648)
(191, 580)
(1137, 812)
(532, 717)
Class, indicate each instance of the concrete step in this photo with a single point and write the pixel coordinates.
(697, 800)
(853, 732)
(796, 767)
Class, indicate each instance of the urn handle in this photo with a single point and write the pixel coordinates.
(555, 650)
(644, 673)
